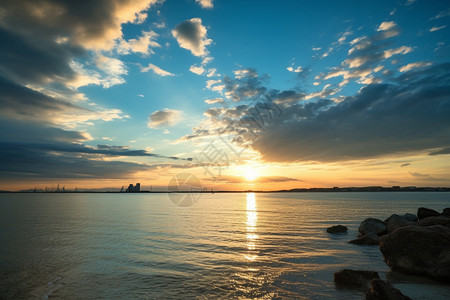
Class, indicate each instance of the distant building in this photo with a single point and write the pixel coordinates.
(134, 189)
(130, 188)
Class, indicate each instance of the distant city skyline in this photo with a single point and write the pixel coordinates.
(244, 95)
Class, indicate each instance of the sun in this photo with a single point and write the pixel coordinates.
(251, 174)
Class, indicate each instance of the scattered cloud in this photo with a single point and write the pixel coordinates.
(205, 3)
(386, 26)
(213, 101)
(410, 66)
(295, 70)
(432, 29)
(157, 70)
(142, 45)
(442, 14)
(191, 35)
(164, 118)
(212, 72)
(199, 70)
(246, 85)
(405, 165)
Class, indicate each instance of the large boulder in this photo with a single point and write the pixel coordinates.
(440, 220)
(372, 225)
(396, 221)
(337, 229)
(424, 212)
(354, 278)
(446, 212)
(421, 250)
(368, 239)
(382, 290)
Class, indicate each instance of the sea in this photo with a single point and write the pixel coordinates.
(223, 246)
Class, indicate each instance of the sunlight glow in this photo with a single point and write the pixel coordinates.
(251, 174)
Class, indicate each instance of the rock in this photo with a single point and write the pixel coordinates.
(423, 213)
(382, 290)
(440, 220)
(421, 250)
(446, 212)
(354, 278)
(337, 229)
(396, 221)
(372, 225)
(368, 239)
(411, 217)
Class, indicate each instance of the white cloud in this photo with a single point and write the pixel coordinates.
(141, 45)
(432, 29)
(215, 100)
(316, 48)
(343, 37)
(205, 3)
(211, 72)
(164, 118)
(400, 50)
(157, 70)
(191, 35)
(160, 25)
(296, 70)
(327, 52)
(199, 70)
(419, 64)
(386, 26)
(218, 88)
(211, 82)
(239, 74)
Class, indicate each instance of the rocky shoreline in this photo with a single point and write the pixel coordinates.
(411, 244)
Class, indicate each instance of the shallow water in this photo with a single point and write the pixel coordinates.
(142, 246)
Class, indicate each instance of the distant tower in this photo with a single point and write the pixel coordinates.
(121, 190)
(137, 188)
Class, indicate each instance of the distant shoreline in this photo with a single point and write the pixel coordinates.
(309, 190)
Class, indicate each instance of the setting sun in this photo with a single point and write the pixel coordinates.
(251, 174)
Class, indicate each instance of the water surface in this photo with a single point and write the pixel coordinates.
(142, 246)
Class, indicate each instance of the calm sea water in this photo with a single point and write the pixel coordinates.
(231, 246)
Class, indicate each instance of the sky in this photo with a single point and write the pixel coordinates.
(261, 95)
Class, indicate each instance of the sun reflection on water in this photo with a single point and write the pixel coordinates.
(252, 218)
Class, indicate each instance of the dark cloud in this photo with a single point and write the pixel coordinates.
(247, 85)
(35, 150)
(43, 46)
(17, 101)
(28, 59)
(91, 24)
(191, 35)
(410, 114)
(441, 151)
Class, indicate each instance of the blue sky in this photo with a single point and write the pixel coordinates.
(99, 94)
